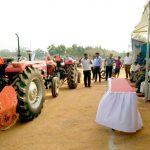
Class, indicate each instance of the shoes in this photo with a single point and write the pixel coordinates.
(89, 86)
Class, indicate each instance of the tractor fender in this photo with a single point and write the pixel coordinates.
(17, 66)
(20, 66)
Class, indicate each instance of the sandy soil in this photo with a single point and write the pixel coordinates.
(68, 123)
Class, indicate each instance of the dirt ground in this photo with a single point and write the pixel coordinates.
(68, 123)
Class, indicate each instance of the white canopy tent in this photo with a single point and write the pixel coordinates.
(143, 30)
(143, 24)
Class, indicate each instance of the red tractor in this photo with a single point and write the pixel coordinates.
(22, 89)
(67, 70)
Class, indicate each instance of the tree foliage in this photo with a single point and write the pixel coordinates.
(72, 51)
(78, 51)
(9, 53)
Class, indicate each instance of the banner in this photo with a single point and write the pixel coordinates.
(139, 47)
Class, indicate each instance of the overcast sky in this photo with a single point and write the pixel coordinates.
(39, 23)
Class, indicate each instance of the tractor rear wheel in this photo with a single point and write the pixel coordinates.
(55, 86)
(29, 86)
(72, 77)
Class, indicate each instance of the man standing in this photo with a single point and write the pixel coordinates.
(86, 63)
(97, 66)
(109, 66)
(118, 66)
(127, 64)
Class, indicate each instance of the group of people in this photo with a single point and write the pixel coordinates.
(136, 71)
(95, 66)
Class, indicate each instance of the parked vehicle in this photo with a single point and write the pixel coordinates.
(103, 72)
(22, 80)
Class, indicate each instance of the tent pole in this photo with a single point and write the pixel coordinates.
(147, 57)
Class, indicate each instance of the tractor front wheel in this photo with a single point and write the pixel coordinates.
(55, 86)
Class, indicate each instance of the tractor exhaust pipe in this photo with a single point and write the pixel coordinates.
(18, 47)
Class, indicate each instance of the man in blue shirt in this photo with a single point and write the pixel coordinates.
(97, 66)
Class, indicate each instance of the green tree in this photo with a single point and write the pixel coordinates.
(23, 52)
(39, 54)
(5, 53)
(78, 51)
(61, 49)
(52, 49)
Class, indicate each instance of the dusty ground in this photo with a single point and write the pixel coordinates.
(68, 123)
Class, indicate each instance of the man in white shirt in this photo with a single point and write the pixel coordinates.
(127, 64)
(86, 63)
